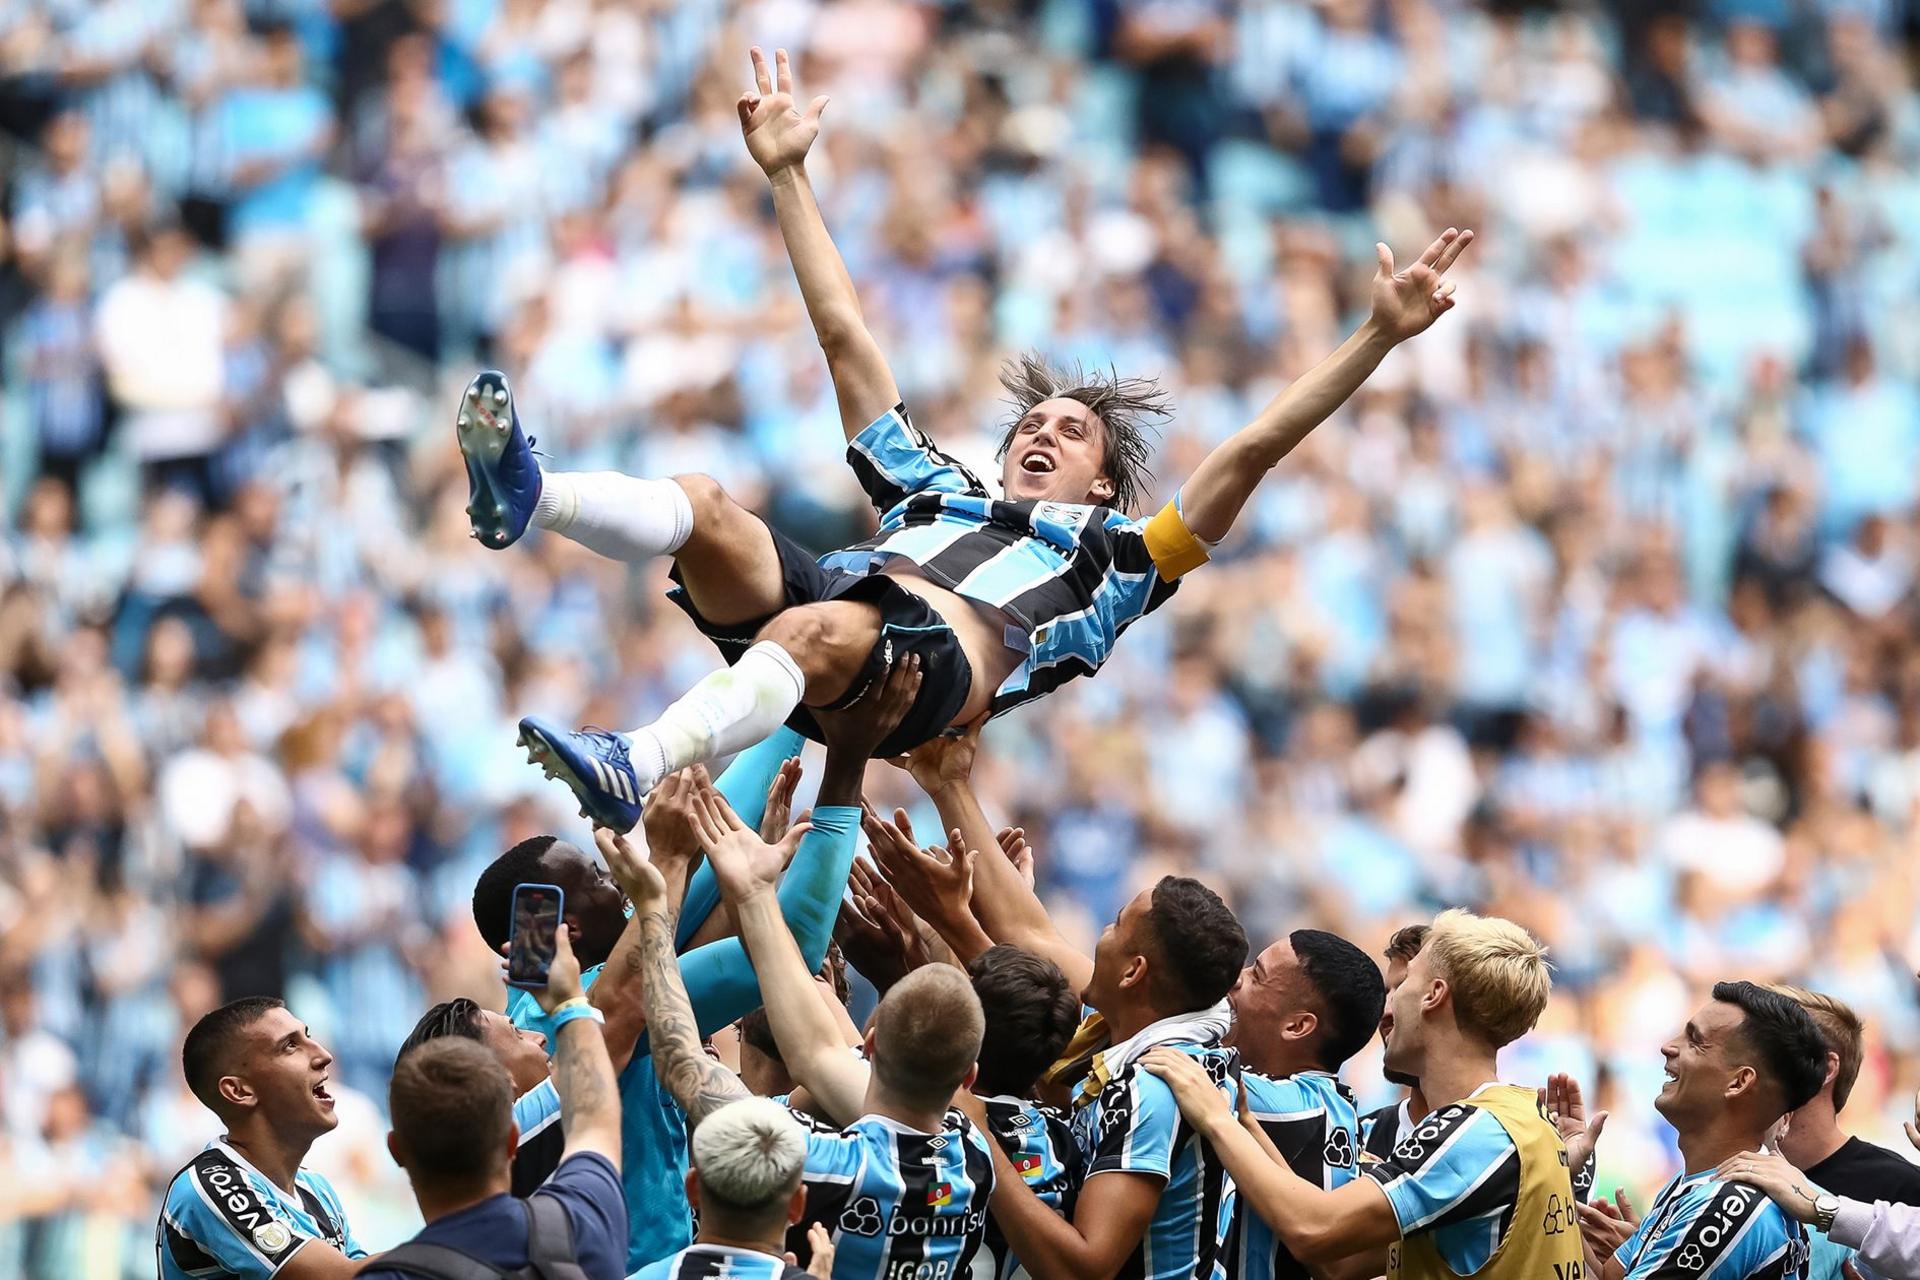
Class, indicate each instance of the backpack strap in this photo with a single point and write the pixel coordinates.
(438, 1262)
(550, 1253)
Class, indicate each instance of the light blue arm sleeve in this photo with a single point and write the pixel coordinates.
(719, 977)
(745, 785)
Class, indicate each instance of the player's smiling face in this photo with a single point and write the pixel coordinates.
(1057, 454)
(287, 1071)
(1700, 1074)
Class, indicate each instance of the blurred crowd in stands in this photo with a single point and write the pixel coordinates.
(1595, 609)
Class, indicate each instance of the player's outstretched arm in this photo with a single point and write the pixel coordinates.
(1405, 303)
(778, 135)
(807, 1034)
(1005, 904)
(699, 1084)
(582, 1072)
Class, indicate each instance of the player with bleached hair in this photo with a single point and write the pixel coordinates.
(747, 1160)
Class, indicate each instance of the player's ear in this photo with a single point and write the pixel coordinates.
(237, 1091)
(797, 1204)
(1299, 1024)
(693, 1187)
(973, 1073)
(513, 1141)
(1102, 489)
(393, 1149)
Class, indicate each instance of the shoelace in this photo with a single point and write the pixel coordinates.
(607, 745)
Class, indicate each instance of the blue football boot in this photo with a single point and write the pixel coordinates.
(503, 480)
(595, 767)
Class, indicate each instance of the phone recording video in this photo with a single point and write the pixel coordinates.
(532, 933)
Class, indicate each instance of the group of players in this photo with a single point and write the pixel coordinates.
(1158, 1109)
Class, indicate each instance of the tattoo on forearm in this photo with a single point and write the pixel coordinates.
(583, 1077)
(698, 1083)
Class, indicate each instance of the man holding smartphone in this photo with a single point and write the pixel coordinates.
(453, 1133)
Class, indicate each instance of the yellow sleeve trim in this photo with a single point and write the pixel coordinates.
(1173, 546)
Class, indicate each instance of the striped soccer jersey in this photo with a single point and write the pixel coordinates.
(901, 1204)
(1133, 1125)
(1038, 1141)
(719, 1262)
(224, 1218)
(1071, 576)
(1311, 1121)
(1700, 1227)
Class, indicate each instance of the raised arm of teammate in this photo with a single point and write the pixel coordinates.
(778, 135)
(1004, 903)
(1405, 303)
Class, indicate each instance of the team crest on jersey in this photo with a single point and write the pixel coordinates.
(862, 1217)
(272, 1237)
(1062, 513)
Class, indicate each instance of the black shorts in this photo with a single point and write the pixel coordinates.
(908, 624)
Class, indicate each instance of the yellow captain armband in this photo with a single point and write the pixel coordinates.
(1175, 549)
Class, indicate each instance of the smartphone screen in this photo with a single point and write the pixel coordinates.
(536, 921)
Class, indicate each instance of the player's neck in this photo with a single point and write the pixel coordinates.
(1724, 1134)
(278, 1158)
(1815, 1134)
(1455, 1071)
(922, 1119)
(438, 1200)
(777, 1246)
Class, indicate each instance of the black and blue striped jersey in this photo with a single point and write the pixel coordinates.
(1455, 1175)
(900, 1204)
(1382, 1129)
(1072, 576)
(1705, 1229)
(1311, 1121)
(1038, 1141)
(222, 1218)
(1133, 1125)
(719, 1262)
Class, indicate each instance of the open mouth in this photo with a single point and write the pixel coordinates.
(320, 1093)
(1037, 464)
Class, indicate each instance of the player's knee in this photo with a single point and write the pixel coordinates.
(825, 636)
(708, 500)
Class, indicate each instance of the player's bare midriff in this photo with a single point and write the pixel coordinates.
(980, 629)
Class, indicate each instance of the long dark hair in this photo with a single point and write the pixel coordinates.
(1124, 406)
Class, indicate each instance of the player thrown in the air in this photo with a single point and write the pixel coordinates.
(1002, 598)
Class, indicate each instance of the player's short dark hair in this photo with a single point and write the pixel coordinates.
(1840, 1028)
(1200, 947)
(1793, 1056)
(757, 1033)
(1031, 1014)
(1406, 942)
(208, 1049)
(493, 891)
(1349, 988)
(1123, 405)
(926, 1035)
(456, 1017)
(452, 1105)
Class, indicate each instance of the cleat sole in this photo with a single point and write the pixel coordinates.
(555, 766)
(484, 427)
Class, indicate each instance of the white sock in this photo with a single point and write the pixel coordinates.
(621, 517)
(727, 711)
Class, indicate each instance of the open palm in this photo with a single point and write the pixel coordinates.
(1405, 302)
(778, 133)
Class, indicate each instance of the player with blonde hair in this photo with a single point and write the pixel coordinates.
(1480, 1186)
(748, 1158)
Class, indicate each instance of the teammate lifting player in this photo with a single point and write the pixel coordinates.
(1004, 599)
